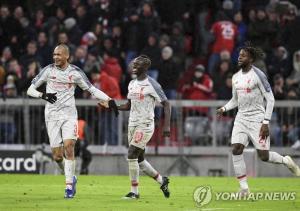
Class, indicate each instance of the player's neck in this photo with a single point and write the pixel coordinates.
(142, 77)
(63, 67)
(247, 68)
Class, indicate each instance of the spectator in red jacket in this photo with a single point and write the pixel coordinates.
(199, 88)
(111, 66)
(107, 121)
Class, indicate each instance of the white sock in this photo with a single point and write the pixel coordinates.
(69, 172)
(61, 165)
(146, 167)
(274, 157)
(240, 170)
(134, 174)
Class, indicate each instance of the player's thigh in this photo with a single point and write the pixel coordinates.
(239, 134)
(140, 135)
(258, 142)
(69, 130)
(54, 133)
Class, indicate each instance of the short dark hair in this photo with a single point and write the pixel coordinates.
(254, 52)
(145, 59)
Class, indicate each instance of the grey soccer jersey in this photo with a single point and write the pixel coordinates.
(62, 82)
(143, 95)
(249, 92)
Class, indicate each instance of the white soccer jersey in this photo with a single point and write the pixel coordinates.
(143, 95)
(249, 90)
(62, 82)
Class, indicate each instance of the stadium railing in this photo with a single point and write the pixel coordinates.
(193, 123)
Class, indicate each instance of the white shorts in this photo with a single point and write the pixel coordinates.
(60, 130)
(140, 135)
(245, 130)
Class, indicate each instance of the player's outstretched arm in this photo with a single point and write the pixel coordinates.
(167, 121)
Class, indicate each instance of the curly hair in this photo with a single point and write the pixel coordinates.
(254, 52)
(145, 60)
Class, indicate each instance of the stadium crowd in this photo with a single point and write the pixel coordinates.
(193, 44)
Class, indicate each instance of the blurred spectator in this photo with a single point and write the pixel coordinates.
(111, 66)
(278, 63)
(177, 43)
(64, 39)
(39, 19)
(168, 73)
(89, 40)
(291, 32)
(108, 122)
(44, 50)
(164, 41)
(31, 55)
(80, 57)
(93, 62)
(61, 14)
(11, 30)
(261, 31)
(14, 68)
(279, 89)
(73, 31)
(49, 8)
(82, 18)
(31, 71)
(149, 21)
(6, 56)
(199, 88)
(241, 34)
(223, 80)
(132, 36)
(153, 52)
(225, 33)
(294, 79)
(52, 26)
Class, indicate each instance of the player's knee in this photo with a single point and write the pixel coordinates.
(237, 150)
(263, 156)
(141, 158)
(133, 152)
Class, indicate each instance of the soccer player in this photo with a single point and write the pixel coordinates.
(250, 88)
(60, 111)
(143, 92)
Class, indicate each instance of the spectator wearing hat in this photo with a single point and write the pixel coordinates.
(199, 88)
(73, 31)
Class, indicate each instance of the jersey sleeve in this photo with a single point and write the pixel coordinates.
(41, 77)
(81, 80)
(265, 88)
(157, 92)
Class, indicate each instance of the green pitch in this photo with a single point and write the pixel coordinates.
(34, 192)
